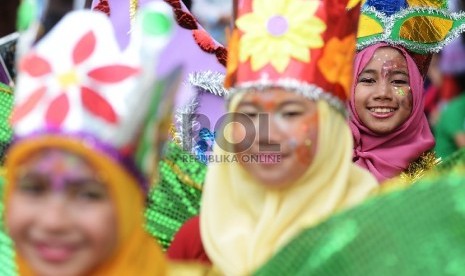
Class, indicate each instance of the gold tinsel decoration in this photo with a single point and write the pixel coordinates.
(133, 6)
(184, 177)
(414, 172)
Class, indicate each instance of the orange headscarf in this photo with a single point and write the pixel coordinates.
(137, 253)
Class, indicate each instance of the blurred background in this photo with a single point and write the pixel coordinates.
(444, 85)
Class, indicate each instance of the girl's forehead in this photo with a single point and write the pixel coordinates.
(388, 54)
(58, 161)
(276, 95)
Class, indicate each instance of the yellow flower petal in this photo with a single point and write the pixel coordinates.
(301, 54)
(314, 25)
(280, 62)
(303, 33)
(296, 39)
(296, 7)
(259, 61)
(265, 9)
(250, 23)
(254, 44)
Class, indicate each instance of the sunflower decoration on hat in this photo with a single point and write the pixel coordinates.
(422, 27)
(302, 46)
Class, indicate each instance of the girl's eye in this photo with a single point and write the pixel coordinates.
(91, 195)
(89, 191)
(399, 82)
(290, 114)
(33, 186)
(366, 80)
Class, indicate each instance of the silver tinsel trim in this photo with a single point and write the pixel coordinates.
(186, 116)
(309, 91)
(388, 23)
(185, 121)
(208, 81)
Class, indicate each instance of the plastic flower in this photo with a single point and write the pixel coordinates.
(276, 32)
(57, 85)
(336, 62)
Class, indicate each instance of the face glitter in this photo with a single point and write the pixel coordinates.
(400, 92)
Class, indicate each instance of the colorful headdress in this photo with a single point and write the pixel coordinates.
(303, 46)
(199, 102)
(91, 92)
(422, 27)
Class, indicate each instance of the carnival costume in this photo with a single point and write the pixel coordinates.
(417, 29)
(242, 222)
(406, 230)
(81, 97)
(200, 105)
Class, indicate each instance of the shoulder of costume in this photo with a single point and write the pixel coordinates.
(385, 235)
(416, 170)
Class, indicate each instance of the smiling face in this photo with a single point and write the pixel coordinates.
(283, 125)
(60, 214)
(383, 100)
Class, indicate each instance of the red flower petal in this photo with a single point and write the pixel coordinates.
(35, 65)
(97, 105)
(57, 111)
(84, 48)
(113, 73)
(23, 109)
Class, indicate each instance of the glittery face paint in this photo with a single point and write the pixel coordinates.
(392, 64)
(58, 170)
(292, 120)
(387, 68)
(383, 100)
(401, 92)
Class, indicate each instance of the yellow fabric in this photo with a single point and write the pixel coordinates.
(304, 32)
(243, 223)
(368, 26)
(137, 253)
(426, 29)
(426, 3)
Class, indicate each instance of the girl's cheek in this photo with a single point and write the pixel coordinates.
(305, 133)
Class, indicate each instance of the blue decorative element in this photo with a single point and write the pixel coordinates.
(204, 144)
(388, 7)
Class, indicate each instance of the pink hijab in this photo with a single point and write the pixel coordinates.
(386, 156)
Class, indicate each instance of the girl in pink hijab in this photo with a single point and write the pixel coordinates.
(388, 123)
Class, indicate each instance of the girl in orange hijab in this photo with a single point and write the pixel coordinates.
(76, 177)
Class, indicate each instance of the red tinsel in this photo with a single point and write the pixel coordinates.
(103, 6)
(203, 39)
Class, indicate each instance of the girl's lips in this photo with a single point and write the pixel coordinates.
(386, 112)
(54, 253)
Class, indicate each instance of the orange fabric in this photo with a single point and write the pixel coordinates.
(137, 253)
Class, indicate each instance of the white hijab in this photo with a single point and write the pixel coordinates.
(243, 223)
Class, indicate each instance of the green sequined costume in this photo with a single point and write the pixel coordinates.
(415, 231)
(7, 265)
(176, 196)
